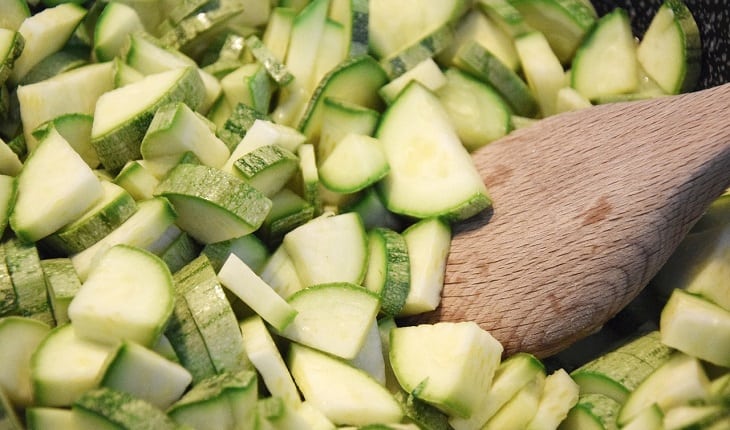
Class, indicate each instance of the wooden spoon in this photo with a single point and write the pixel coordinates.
(587, 207)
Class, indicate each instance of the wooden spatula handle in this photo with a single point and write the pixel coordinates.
(588, 206)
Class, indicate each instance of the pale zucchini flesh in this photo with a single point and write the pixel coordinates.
(431, 173)
(65, 366)
(336, 388)
(670, 49)
(21, 337)
(231, 207)
(145, 374)
(55, 187)
(418, 353)
(244, 283)
(127, 295)
(595, 74)
(330, 248)
(332, 317)
(117, 132)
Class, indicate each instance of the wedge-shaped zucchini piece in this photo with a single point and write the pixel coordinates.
(679, 380)
(55, 187)
(520, 409)
(334, 317)
(262, 299)
(544, 73)
(696, 326)
(267, 359)
(395, 26)
(148, 223)
(670, 50)
(226, 401)
(137, 180)
(563, 22)
(479, 113)
(72, 92)
(115, 22)
(65, 366)
(20, 337)
(76, 129)
(356, 162)
(304, 41)
(249, 84)
(231, 207)
(267, 168)
(478, 26)
(355, 80)
(431, 173)
(558, 397)
(114, 207)
(128, 294)
(45, 33)
(122, 116)
(428, 243)
(451, 364)
(176, 129)
(343, 393)
(511, 376)
(105, 408)
(595, 74)
(330, 248)
(145, 374)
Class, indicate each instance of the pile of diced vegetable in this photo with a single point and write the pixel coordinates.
(214, 214)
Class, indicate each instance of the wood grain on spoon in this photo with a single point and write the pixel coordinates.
(588, 205)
